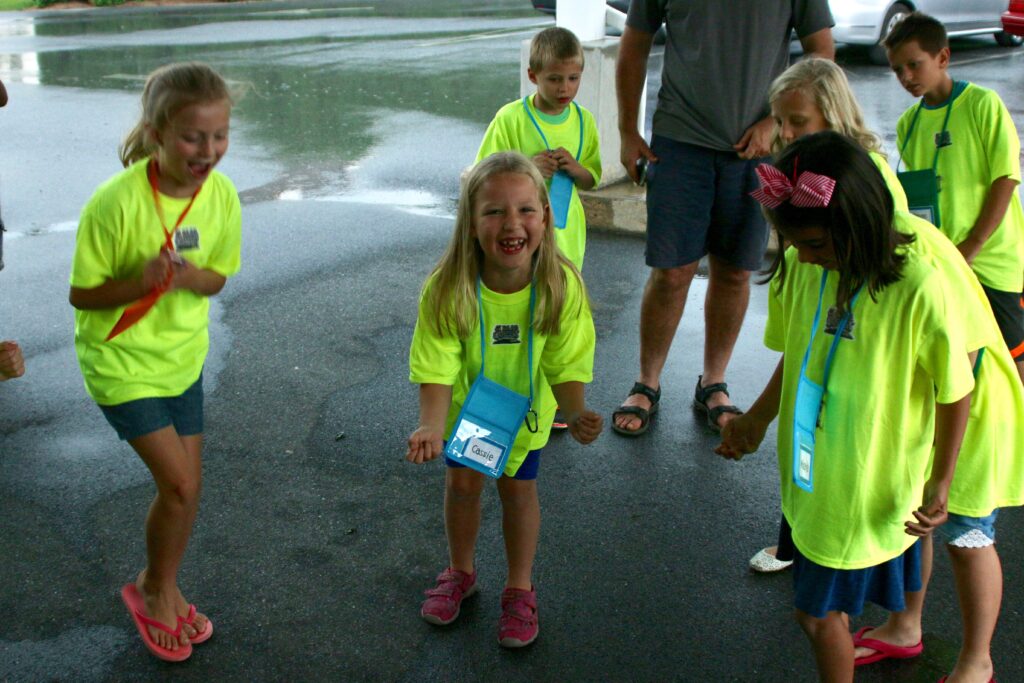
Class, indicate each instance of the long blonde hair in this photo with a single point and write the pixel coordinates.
(826, 83)
(450, 290)
(169, 89)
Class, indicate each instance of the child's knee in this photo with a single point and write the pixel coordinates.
(815, 627)
(463, 484)
(182, 491)
(517, 491)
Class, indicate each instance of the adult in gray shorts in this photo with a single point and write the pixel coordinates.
(711, 127)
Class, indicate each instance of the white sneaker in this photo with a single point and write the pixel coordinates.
(765, 562)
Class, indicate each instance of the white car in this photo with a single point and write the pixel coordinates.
(867, 22)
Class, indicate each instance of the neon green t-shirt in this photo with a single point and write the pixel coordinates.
(899, 197)
(118, 233)
(874, 445)
(983, 146)
(565, 357)
(512, 129)
(990, 469)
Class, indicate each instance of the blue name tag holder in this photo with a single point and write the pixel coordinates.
(810, 396)
(562, 184)
(492, 414)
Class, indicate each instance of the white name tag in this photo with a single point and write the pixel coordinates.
(186, 238)
(483, 451)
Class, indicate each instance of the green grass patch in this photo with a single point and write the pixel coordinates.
(7, 5)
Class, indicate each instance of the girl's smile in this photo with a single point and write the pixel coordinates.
(191, 145)
(509, 223)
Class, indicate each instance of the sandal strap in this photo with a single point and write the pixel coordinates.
(159, 625)
(642, 413)
(653, 395)
(718, 411)
(704, 393)
(190, 619)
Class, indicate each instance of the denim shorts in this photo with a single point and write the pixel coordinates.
(968, 532)
(819, 590)
(526, 472)
(146, 415)
(698, 203)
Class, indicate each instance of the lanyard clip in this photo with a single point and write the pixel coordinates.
(531, 423)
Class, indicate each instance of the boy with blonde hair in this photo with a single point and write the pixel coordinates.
(557, 133)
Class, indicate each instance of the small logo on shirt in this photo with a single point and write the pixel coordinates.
(186, 238)
(832, 323)
(505, 334)
(943, 139)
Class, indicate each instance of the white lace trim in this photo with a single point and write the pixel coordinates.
(972, 539)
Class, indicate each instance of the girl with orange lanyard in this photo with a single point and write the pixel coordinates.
(154, 243)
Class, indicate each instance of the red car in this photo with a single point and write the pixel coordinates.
(1013, 18)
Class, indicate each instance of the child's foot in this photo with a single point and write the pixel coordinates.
(444, 601)
(767, 561)
(971, 672)
(518, 625)
(196, 628)
(890, 643)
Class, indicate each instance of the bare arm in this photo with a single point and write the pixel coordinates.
(426, 442)
(745, 433)
(819, 44)
(630, 77)
(115, 293)
(12, 362)
(997, 201)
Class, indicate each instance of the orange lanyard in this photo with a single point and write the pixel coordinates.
(137, 309)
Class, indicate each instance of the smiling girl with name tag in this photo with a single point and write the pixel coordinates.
(504, 330)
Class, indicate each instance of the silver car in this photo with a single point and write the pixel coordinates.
(867, 22)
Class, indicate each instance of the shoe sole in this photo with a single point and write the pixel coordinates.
(513, 643)
(431, 619)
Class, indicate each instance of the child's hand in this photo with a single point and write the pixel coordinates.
(969, 248)
(933, 513)
(586, 426)
(740, 436)
(425, 444)
(563, 157)
(12, 363)
(158, 272)
(185, 274)
(546, 164)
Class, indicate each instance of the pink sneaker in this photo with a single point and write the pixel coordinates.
(445, 599)
(518, 626)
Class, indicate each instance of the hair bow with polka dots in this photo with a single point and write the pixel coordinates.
(811, 190)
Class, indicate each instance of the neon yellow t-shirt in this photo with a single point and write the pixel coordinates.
(983, 147)
(565, 357)
(512, 129)
(118, 232)
(990, 469)
(899, 197)
(874, 445)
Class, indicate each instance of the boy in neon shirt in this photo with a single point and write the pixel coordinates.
(557, 133)
(965, 133)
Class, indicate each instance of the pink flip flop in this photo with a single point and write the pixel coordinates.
(883, 650)
(191, 621)
(943, 679)
(137, 608)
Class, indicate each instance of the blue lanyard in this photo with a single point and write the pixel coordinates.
(913, 124)
(839, 332)
(579, 114)
(529, 343)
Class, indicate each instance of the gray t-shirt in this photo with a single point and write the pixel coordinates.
(720, 58)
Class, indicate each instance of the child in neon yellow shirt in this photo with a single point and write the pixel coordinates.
(965, 133)
(556, 132)
(857, 460)
(536, 334)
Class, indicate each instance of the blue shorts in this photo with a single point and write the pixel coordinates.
(698, 202)
(146, 415)
(968, 532)
(819, 590)
(526, 472)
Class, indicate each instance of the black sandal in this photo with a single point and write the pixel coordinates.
(700, 402)
(645, 415)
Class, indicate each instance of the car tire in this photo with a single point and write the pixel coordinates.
(1008, 39)
(876, 53)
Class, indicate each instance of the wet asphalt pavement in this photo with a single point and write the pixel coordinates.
(315, 538)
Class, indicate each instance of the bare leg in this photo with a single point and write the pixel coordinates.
(462, 515)
(1020, 369)
(520, 522)
(979, 586)
(725, 306)
(904, 628)
(833, 649)
(175, 463)
(660, 311)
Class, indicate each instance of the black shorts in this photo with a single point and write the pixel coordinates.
(1009, 310)
(698, 202)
